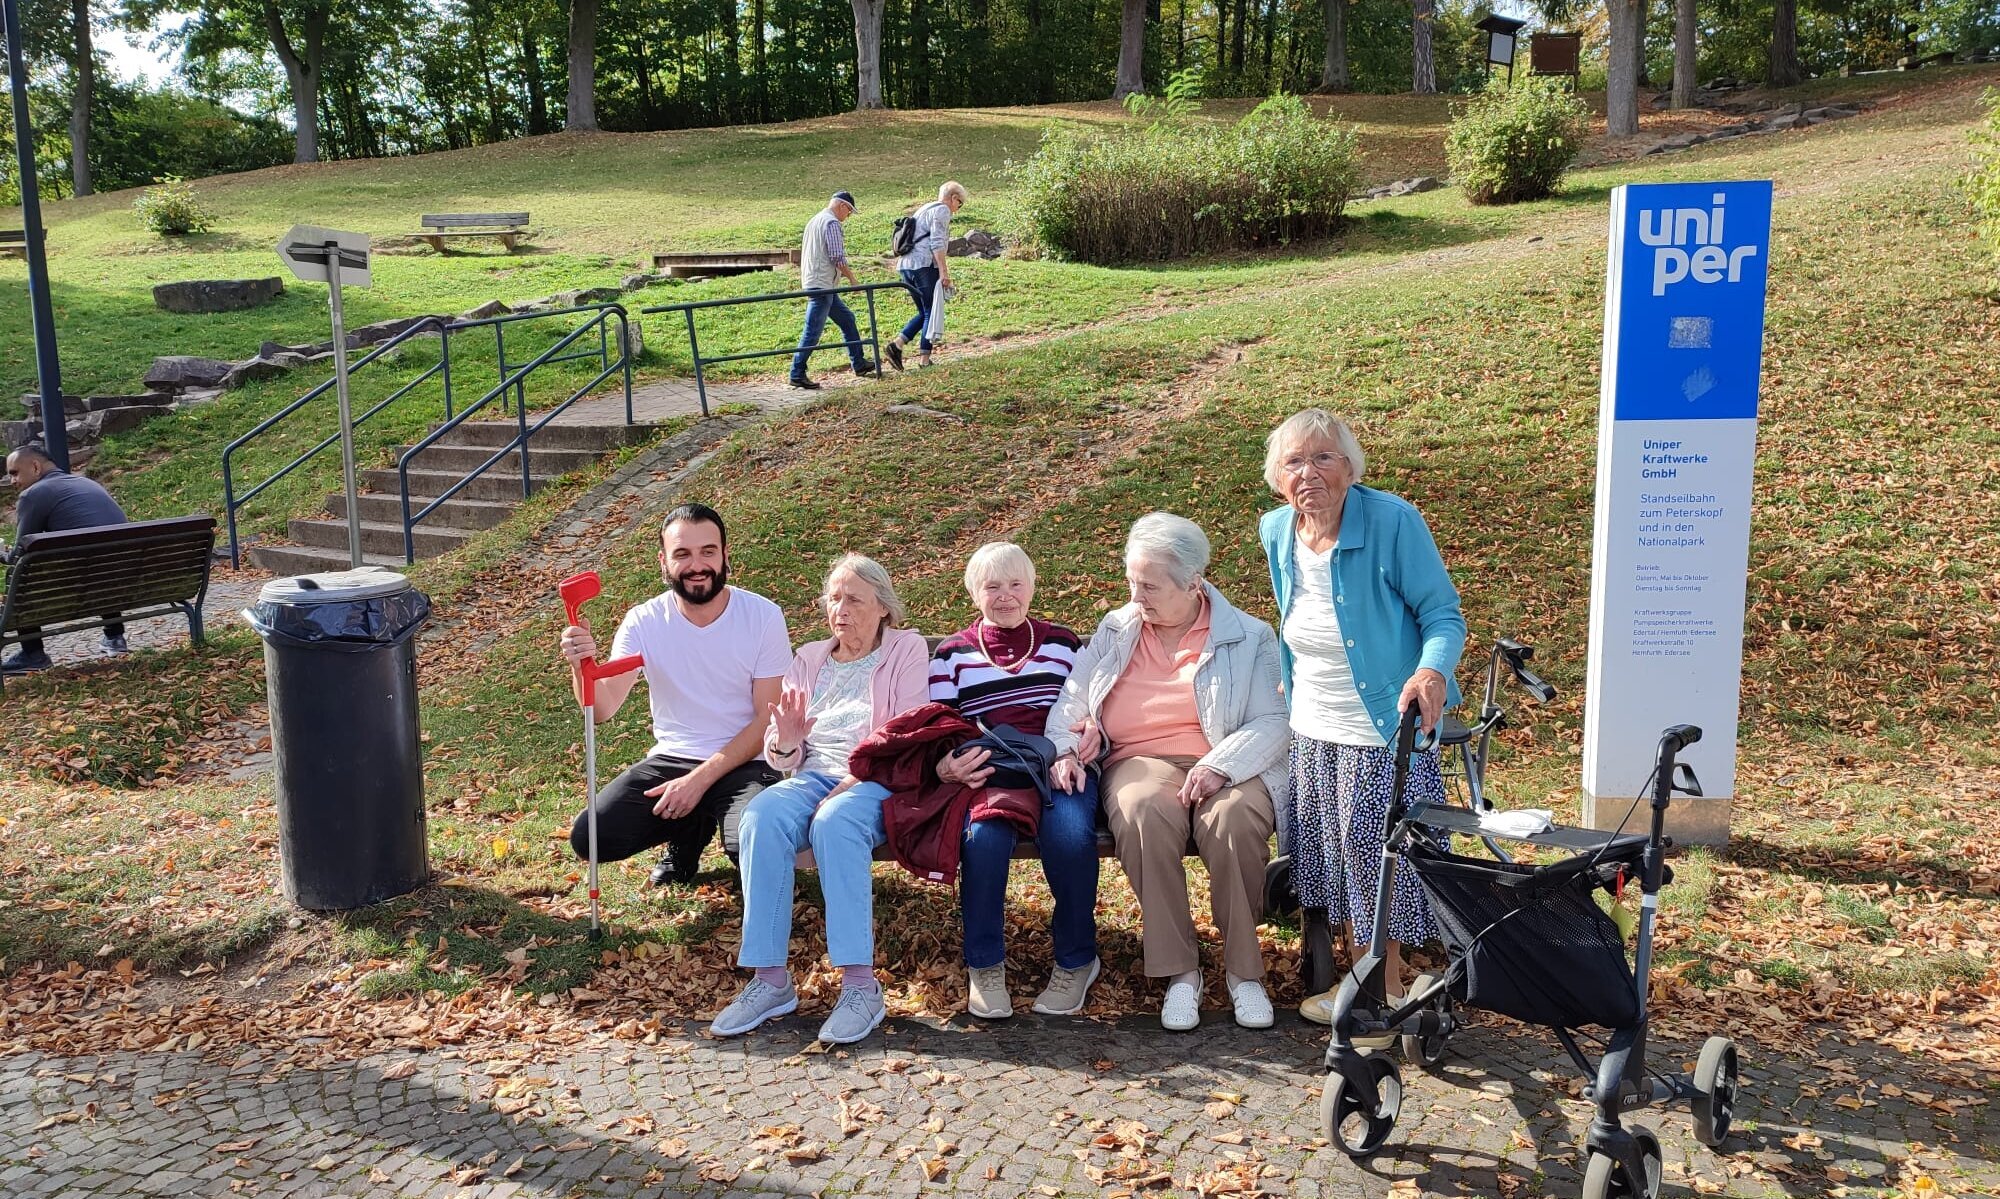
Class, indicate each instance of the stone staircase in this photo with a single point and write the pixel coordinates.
(489, 499)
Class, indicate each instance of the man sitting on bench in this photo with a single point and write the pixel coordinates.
(55, 501)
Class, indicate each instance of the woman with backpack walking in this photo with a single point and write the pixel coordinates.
(920, 241)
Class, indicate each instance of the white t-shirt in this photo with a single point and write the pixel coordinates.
(697, 678)
(1325, 704)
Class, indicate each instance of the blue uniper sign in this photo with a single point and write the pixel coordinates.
(1687, 298)
(1677, 444)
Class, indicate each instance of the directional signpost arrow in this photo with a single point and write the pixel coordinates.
(334, 258)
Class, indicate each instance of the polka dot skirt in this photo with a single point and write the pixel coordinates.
(1339, 801)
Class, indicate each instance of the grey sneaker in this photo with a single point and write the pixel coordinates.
(1068, 990)
(854, 1017)
(986, 993)
(757, 1002)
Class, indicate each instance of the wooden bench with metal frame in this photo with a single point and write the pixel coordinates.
(87, 578)
(13, 243)
(507, 227)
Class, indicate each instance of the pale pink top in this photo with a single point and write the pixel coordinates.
(1150, 710)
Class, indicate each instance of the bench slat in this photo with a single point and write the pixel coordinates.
(451, 220)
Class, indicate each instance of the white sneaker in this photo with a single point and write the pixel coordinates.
(1253, 1006)
(986, 993)
(1181, 1009)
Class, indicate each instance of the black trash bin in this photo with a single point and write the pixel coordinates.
(340, 670)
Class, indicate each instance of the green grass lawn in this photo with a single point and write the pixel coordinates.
(1464, 344)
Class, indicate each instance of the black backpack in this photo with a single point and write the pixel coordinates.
(903, 234)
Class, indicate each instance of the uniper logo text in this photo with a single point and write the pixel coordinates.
(1688, 244)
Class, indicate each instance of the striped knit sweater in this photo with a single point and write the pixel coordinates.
(971, 671)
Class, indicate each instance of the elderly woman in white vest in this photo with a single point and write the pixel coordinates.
(926, 271)
(1177, 694)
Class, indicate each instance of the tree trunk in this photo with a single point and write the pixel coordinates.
(920, 55)
(1270, 33)
(302, 70)
(1785, 69)
(1333, 73)
(531, 67)
(867, 53)
(580, 112)
(1423, 67)
(1639, 75)
(1236, 38)
(80, 99)
(1684, 53)
(732, 61)
(1131, 50)
(492, 96)
(757, 61)
(1621, 98)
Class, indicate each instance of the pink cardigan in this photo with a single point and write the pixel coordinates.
(902, 681)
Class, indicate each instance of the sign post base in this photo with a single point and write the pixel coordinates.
(1691, 820)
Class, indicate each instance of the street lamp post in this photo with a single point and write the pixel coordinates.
(48, 372)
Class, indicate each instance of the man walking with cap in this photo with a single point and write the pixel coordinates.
(822, 265)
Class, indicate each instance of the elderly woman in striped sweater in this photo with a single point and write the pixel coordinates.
(1008, 668)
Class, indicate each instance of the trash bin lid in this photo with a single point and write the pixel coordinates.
(334, 586)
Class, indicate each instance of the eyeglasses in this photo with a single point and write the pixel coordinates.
(1324, 460)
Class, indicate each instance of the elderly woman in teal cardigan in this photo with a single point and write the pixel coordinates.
(1369, 626)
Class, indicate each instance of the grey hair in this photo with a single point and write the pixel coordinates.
(953, 188)
(1003, 559)
(869, 571)
(1313, 424)
(1174, 542)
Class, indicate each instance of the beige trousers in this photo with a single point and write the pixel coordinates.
(1232, 832)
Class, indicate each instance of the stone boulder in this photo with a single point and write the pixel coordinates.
(17, 433)
(490, 308)
(635, 338)
(978, 243)
(179, 372)
(217, 295)
(1402, 187)
(118, 420)
(252, 369)
(578, 297)
(381, 331)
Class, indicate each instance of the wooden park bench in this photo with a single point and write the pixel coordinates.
(84, 578)
(507, 227)
(13, 243)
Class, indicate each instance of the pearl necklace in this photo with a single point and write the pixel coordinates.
(980, 629)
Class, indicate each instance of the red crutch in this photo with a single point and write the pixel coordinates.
(577, 590)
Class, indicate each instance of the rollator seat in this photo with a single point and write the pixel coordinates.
(1569, 840)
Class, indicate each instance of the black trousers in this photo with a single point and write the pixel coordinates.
(626, 825)
(31, 639)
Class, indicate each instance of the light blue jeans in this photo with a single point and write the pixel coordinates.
(842, 832)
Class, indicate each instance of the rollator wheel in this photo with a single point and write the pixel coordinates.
(1349, 1122)
(1316, 963)
(1429, 1051)
(1714, 1101)
(1604, 1177)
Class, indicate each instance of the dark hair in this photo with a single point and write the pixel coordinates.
(35, 449)
(697, 513)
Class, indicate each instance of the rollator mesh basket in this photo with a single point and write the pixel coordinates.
(1532, 942)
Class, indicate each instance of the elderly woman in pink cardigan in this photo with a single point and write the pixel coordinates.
(836, 693)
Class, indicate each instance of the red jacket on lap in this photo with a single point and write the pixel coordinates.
(924, 816)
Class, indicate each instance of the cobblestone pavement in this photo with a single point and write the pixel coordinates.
(1033, 1107)
(228, 592)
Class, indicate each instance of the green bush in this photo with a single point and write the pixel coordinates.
(1982, 183)
(1179, 188)
(172, 209)
(1510, 144)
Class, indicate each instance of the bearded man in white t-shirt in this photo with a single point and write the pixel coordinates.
(714, 658)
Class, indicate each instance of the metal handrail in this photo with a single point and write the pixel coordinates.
(687, 310)
(231, 502)
(605, 312)
(603, 353)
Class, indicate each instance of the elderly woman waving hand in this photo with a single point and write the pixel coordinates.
(1371, 626)
(1179, 691)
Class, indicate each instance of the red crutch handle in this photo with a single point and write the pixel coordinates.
(577, 590)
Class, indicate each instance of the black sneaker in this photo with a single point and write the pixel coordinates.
(675, 867)
(868, 368)
(114, 645)
(805, 384)
(894, 353)
(23, 662)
